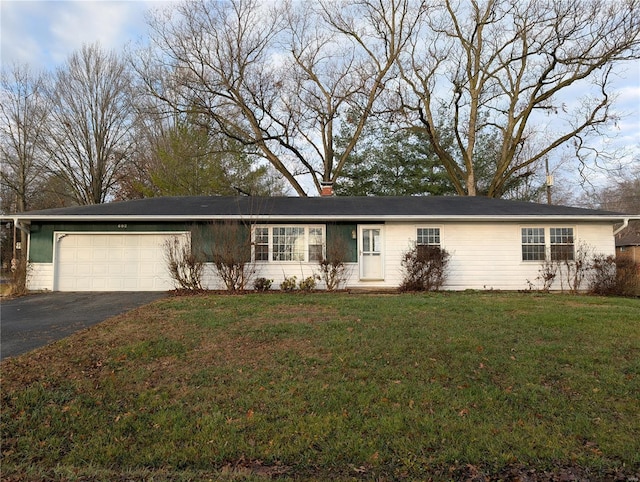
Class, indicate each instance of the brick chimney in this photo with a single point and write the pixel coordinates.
(327, 188)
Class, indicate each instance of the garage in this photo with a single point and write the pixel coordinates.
(112, 262)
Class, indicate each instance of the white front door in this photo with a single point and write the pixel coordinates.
(371, 254)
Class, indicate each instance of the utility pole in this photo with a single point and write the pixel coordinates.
(549, 180)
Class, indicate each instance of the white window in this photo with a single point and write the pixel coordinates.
(559, 244)
(316, 242)
(288, 243)
(561, 241)
(428, 237)
(261, 244)
(533, 244)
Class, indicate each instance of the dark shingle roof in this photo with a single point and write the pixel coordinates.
(335, 207)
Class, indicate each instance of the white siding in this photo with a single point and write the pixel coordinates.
(483, 256)
(40, 277)
(489, 256)
(271, 270)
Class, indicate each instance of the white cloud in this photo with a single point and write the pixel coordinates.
(627, 104)
(44, 33)
(18, 44)
(77, 23)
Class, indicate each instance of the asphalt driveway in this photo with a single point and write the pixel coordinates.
(35, 320)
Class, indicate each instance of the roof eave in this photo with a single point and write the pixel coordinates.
(308, 218)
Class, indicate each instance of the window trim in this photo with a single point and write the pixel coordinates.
(524, 238)
(563, 244)
(270, 243)
(547, 242)
(439, 228)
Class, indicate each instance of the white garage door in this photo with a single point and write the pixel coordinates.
(112, 262)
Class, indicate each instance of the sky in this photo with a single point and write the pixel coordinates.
(44, 33)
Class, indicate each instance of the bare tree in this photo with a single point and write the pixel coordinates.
(279, 79)
(23, 111)
(88, 138)
(507, 68)
(622, 193)
(343, 54)
(182, 156)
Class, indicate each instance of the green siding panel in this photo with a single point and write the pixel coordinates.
(41, 245)
(205, 236)
(229, 240)
(343, 234)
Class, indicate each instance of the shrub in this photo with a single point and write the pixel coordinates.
(425, 268)
(333, 270)
(571, 270)
(184, 265)
(602, 277)
(547, 273)
(609, 275)
(289, 284)
(231, 255)
(233, 273)
(606, 275)
(262, 284)
(627, 277)
(308, 284)
(576, 269)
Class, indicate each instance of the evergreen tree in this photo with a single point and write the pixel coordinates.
(388, 162)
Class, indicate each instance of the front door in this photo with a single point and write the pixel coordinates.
(371, 255)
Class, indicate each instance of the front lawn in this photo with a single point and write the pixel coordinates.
(334, 387)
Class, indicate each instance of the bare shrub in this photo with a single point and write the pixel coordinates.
(547, 273)
(605, 274)
(627, 277)
(333, 268)
(575, 269)
(425, 268)
(185, 266)
(231, 254)
(614, 276)
(602, 276)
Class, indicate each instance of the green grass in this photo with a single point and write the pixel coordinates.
(333, 386)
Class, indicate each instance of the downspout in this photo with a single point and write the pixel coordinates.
(20, 226)
(24, 229)
(625, 223)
